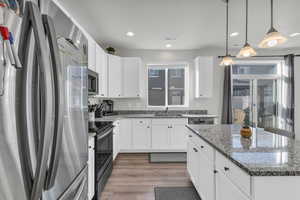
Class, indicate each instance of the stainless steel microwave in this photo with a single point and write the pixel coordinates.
(93, 80)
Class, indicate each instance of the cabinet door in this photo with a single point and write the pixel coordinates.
(116, 136)
(102, 69)
(160, 136)
(193, 164)
(131, 77)
(225, 189)
(91, 168)
(204, 77)
(178, 137)
(114, 76)
(206, 181)
(141, 134)
(190, 159)
(91, 54)
(125, 134)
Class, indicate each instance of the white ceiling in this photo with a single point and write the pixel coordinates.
(195, 24)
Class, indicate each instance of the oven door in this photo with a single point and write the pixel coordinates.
(103, 152)
(93, 82)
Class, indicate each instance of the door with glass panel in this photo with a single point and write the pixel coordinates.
(255, 95)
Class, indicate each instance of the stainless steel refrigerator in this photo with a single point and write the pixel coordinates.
(43, 105)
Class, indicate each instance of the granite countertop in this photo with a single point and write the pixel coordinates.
(122, 116)
(265, 154)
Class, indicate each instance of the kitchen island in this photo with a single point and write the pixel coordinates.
(225, 166)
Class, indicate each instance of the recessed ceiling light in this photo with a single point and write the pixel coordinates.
(234, 34)
(130, 34)
(168, 45)
(294, 34)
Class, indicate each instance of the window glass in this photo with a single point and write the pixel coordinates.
(176, 87)
(255, 69)
(156, 87)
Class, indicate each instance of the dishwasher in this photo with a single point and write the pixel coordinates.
(201, 120)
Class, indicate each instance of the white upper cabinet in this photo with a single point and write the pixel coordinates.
(91, 54)
(131, 76)
(204, 67)
(102, 70)
(114, 76)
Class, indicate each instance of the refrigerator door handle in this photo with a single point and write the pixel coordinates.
(32, 23)
(80, 189)
(59, 101)
(79, 182)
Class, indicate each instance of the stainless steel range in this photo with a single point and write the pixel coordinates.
(103, 154)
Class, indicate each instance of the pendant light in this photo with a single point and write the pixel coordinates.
(227, 60)
(273, 37)
(247, 50)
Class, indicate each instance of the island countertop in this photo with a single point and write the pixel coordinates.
(265, 154)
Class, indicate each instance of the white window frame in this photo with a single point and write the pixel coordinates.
(254, 77)
(167, 66)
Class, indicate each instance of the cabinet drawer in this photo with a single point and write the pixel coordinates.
(141, 122)
(170, 121)
(240, 178)
(205, 148)
(161, 121)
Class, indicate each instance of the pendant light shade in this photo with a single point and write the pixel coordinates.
(227, 60)
(273, 37)
(247, 50)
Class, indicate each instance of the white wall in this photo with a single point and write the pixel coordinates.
(213, 105)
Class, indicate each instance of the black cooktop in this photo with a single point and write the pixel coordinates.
(98, 127)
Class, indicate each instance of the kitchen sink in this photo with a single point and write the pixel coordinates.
(167, 115)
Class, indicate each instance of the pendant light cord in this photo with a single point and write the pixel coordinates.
(246, 21)
(272, 10)
(227, 30)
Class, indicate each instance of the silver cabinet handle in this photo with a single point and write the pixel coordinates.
(59, 101)
(196, 150)
(226, 169)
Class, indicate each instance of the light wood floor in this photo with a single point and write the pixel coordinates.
(134, 178)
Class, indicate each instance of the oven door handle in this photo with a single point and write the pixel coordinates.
(105, 134)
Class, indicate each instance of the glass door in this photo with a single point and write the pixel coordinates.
(254, 102)
(242, 102)
(266, 101)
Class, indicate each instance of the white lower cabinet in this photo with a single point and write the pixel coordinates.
(116, 139)
(125, 134)
(226, 190)
(212, 174)
(169, 134)
(179, 136)
(91, 167)
(160, 136)
(141, 134)
(201, 171)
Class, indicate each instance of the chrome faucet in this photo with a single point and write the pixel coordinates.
(167, 109)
